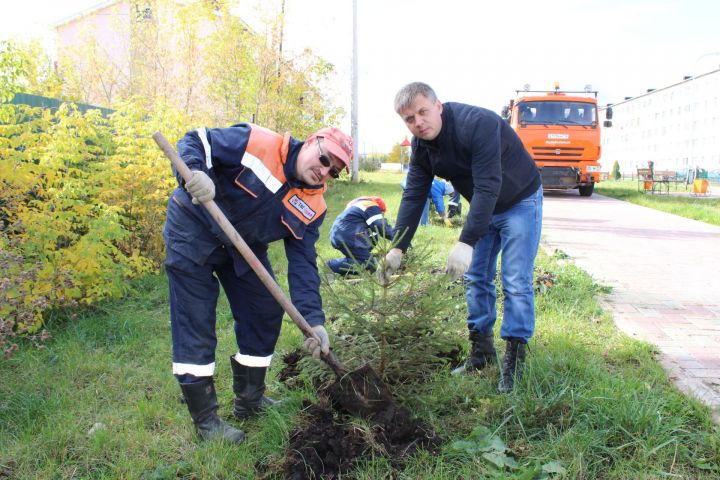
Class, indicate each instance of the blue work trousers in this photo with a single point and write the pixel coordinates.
(194, 291)
(516, 233)
(426, 213)
(355, 256)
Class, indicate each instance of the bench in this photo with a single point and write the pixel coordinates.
(657, 181)
(671, 177)
(662, 180)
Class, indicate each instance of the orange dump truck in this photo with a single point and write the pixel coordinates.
(560, 130)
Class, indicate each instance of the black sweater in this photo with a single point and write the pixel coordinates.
(483, 158)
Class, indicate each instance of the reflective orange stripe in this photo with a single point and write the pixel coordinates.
(291, 230)
(305, 204)
(245, 188)
(362, 203)
(272, 149)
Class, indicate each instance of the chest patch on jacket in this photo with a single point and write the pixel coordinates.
(302, 207)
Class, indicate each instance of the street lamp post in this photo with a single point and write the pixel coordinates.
(354, 103)
(405, 143)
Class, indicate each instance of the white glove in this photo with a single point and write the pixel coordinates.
(459, 260)
(312, 345)
(391, 265)
(200, 187)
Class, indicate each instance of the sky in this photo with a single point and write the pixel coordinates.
(470, 51)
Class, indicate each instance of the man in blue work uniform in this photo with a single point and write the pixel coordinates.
(270, 187)
(454, 204)
(438, 190)
(356, 231)
(487, 163)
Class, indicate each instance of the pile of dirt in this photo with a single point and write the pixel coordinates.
(328, 444)
(291, 369)
(362, 392)
(323, 448)
(403, 435)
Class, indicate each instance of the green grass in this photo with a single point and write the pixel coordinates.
(697, 208)
(593, 402)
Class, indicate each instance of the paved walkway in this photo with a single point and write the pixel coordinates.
(664, 271)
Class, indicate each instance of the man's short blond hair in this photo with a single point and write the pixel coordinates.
(407, 94)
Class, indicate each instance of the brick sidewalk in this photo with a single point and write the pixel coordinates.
(664, 273)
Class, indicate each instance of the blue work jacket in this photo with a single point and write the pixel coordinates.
(360, 225)
(437, 191)
(256, 188)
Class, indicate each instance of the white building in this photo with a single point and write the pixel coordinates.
(676, 127)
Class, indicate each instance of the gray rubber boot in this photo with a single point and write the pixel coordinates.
(512, 366)
(202, 403)
(249, 387)
(482, 353)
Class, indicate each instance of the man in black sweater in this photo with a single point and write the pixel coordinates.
(487, 163)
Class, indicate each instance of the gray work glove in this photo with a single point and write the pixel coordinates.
(391, 265)
(312, 345)
(459, 260)
(201, 187)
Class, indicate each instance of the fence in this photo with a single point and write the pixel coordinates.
(53, 103)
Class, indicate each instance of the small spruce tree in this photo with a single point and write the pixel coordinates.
(616, 175)
(404, 329)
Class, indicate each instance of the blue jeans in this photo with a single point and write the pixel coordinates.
(517, 233)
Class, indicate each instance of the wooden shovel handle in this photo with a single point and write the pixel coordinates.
(249, 255)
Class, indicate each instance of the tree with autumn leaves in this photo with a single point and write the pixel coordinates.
(82, 197)
(206, 62)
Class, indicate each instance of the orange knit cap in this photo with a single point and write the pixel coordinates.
(380, 202)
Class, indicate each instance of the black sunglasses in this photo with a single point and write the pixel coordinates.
(325, 160)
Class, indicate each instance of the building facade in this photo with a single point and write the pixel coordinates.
(676, 127)
(122, 47)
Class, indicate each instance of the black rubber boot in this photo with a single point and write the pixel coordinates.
(454, 210)
(512, 366)
(482, 353)
(249, 386)
(202, 402)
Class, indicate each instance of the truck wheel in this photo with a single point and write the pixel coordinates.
(586, 191)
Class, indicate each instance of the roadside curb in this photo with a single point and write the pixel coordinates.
(698, 387)
(662, 269)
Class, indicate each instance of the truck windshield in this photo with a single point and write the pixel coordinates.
(558, 113)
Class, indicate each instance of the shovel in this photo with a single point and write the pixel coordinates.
(361, 391)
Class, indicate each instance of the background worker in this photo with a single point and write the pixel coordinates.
(270, 187)
(356, 231)
(438, 189)
(488, 164)
(454, 205)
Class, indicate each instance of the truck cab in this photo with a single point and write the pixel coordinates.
(560, 130)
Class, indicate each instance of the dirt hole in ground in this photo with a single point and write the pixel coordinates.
(329, 443)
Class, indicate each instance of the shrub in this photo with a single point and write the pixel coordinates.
(25, 292)
(82, 203)
(370, 164)
(616, 175)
